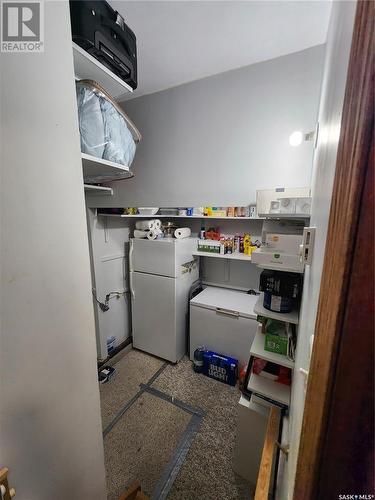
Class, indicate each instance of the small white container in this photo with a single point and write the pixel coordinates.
(252, 211)
(287, 205)
(148, 210)
(303, 205)
(274, 207)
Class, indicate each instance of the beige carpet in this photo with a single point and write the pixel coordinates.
(142, 442)
(134, 368)
(207, 471)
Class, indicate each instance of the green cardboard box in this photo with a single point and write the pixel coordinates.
(210, 246)
(276, 344)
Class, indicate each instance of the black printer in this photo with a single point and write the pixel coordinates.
(102, 32)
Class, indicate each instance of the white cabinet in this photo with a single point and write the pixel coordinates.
(223, 321)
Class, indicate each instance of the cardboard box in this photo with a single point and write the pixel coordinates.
(276, 343)
(211, 246)
(219, 367)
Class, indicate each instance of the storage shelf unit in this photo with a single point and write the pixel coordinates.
(86, 67)
(291, 317)
(257, 350)
(273, 390)
(158, 216)
(230, 256)
(258, 387)
(102, 190)
(99, 170)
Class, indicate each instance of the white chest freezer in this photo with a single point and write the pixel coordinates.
(223, 321)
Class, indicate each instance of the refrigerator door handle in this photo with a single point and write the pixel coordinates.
(131, 285)
(227, 312)
(131, 249)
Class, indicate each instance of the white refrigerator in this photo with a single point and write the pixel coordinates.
(161, 275)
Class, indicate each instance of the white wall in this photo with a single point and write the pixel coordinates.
(109, 251)
(215, 141)
(333, 88)
(50, 432)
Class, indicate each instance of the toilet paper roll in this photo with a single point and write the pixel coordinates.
(144, 225)
(140, 234)
(155, 234)
(182, 232)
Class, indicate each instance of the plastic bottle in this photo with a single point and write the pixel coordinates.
(241, 244)
(198, 359)
(202, 234)
(237, 243)
(230, 246)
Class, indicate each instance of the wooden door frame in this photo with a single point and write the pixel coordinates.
(354, 161)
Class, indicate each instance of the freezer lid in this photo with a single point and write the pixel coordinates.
(222, 298)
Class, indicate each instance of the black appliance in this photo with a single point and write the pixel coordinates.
(102, 32)
(282, 290)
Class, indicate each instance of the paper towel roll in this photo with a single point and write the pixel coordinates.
(140, 234)
(145, 225)
(182, 232)
(155, 234)
(155, 224)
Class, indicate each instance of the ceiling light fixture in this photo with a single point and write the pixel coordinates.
(296, 138)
